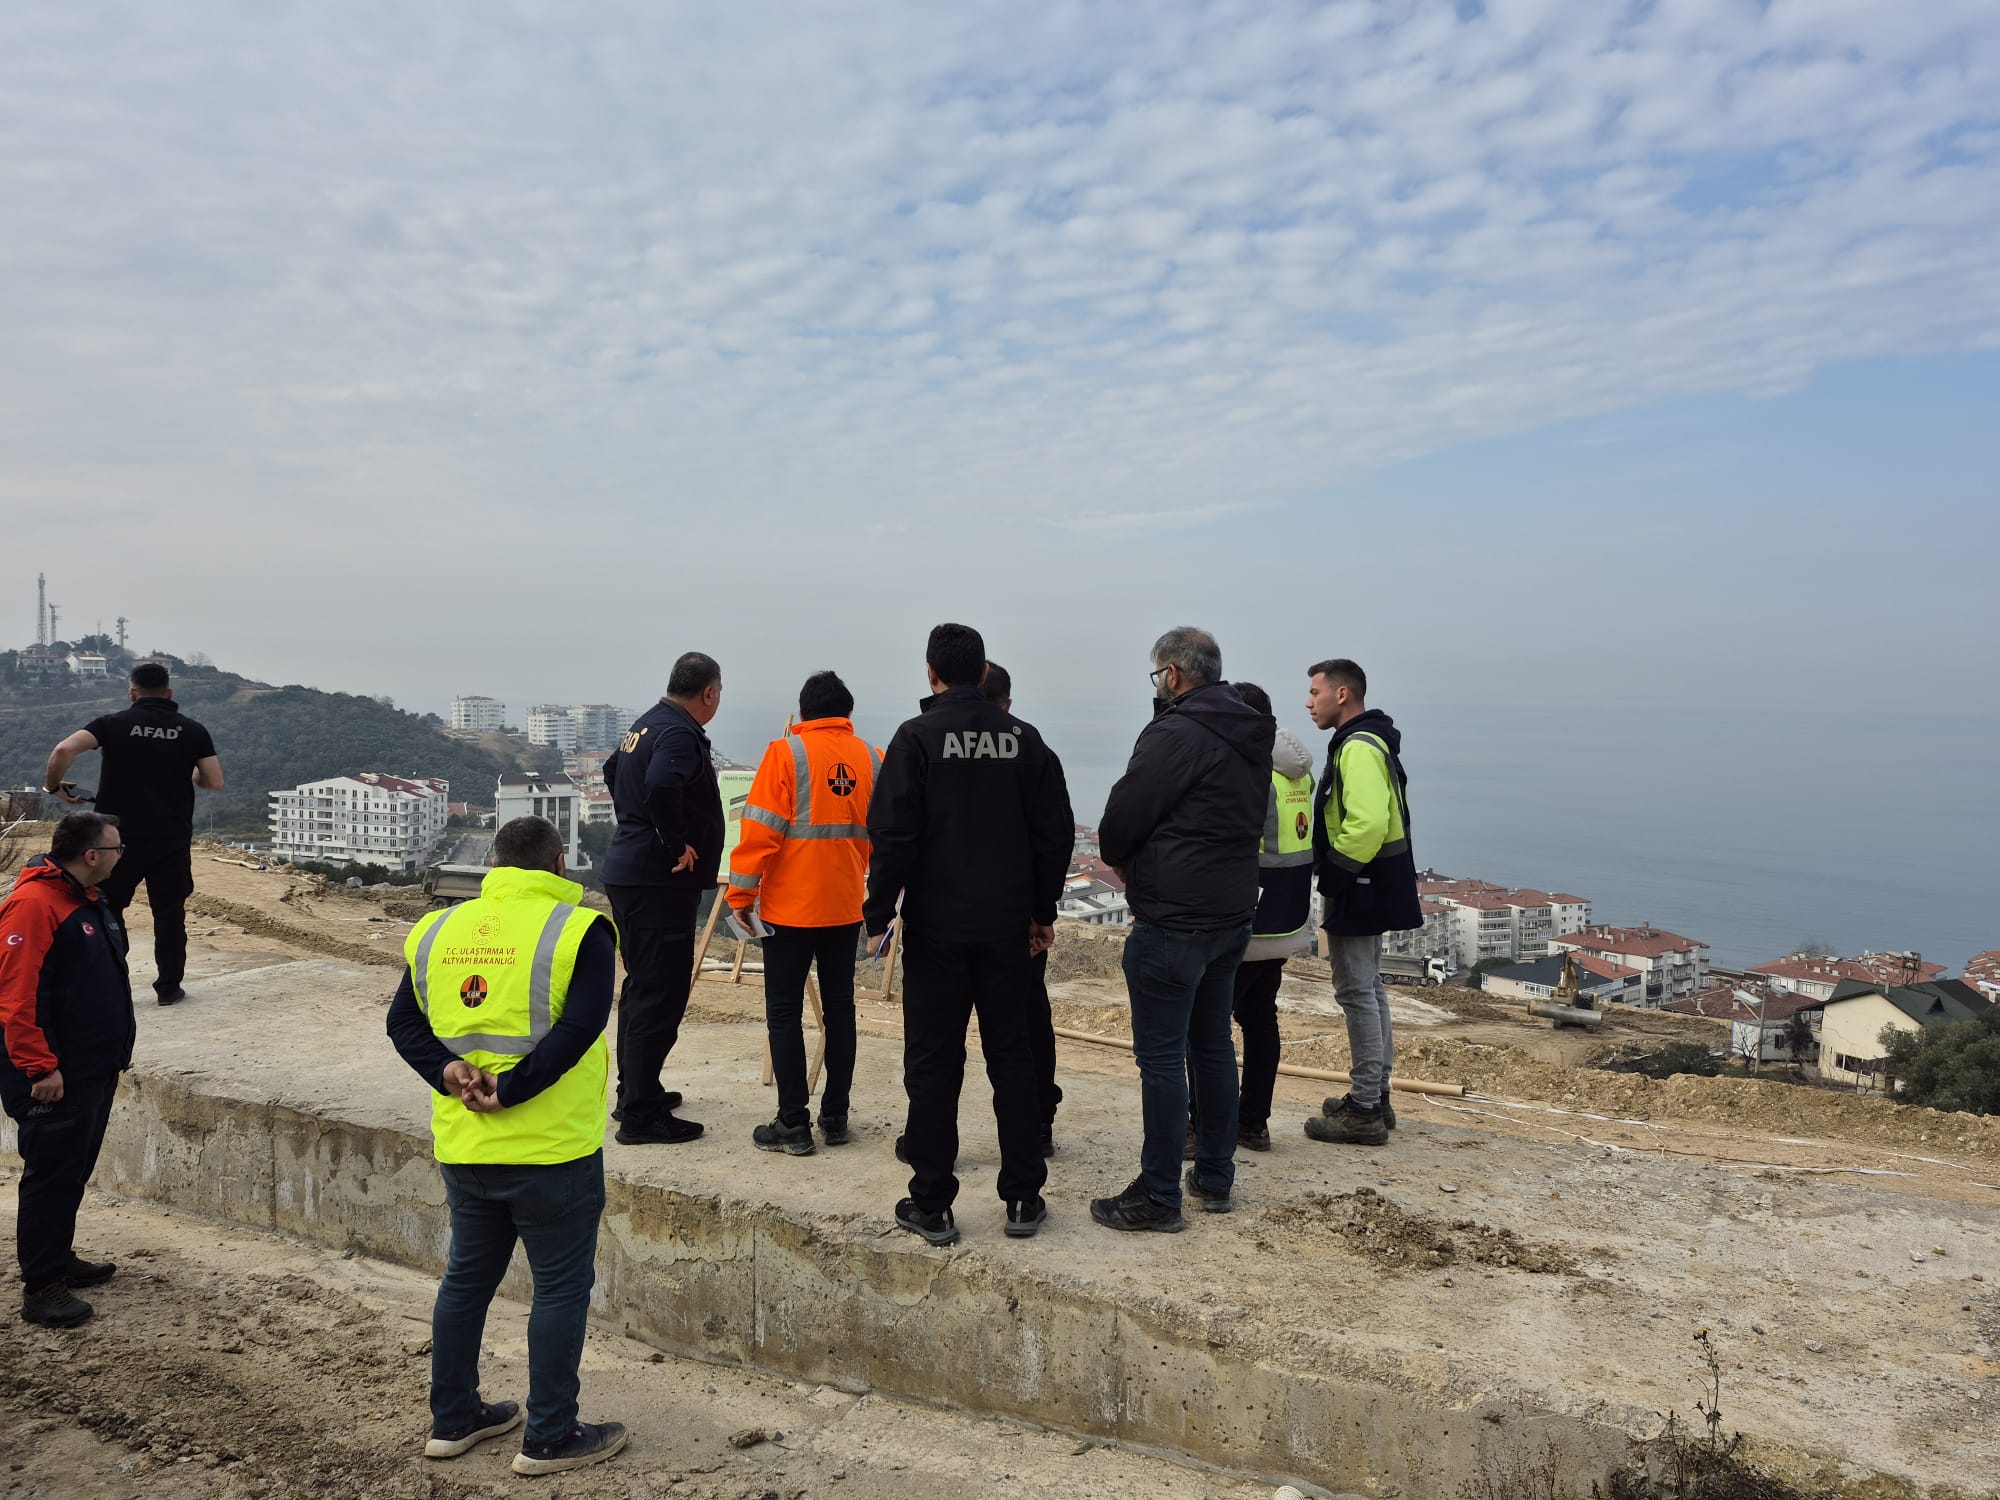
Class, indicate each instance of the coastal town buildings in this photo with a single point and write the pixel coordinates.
(1674, 966)
(526, 794)
(1853, 1017)
(475, 713)
(369, 818)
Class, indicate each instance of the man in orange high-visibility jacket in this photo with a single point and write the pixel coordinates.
(802, 863)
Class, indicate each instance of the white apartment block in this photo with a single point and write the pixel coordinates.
(369, 819)
(1477, 920)
(552, 724)
(478, 714)
(1675, 967)
(523, 794)
(89, 665)
(599, 726)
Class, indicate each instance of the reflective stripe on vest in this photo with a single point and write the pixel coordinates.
(802, 825)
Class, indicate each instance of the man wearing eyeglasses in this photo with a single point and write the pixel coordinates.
(66, 1017)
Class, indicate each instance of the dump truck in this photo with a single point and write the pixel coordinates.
(1412, 970)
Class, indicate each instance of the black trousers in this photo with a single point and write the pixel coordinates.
(788, 953)
(1256, 1010)
(656, 936)
(1042, 1038)
(166, 866)
(944, 984)
(59, 1146)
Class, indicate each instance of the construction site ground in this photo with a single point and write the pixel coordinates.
(1545, 1247)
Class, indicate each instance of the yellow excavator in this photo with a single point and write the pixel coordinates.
(1568, 1006)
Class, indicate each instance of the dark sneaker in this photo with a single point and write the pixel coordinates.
(173, 996)
(939, 1228)
(665, 1131)
(587, 1443)
(1187, 1151)
(902, 1151)
(793, 1140)
(1345, 1123)
(1331, 1106)
(834, 1128)
(88, 1272)
(1210, 1200)
(1048, 1144)
(1025, 1216)
(494, 1418)
(1136, 1209)
(54, 1306)
(673, 1102)
(1254, 1140)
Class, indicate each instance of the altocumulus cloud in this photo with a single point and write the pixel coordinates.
(1108, 265)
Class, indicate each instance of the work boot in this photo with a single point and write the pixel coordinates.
(1136, 1209)
(793, 1140)
(492, 1419)
(54, 1306)
(81, 1273)
(1025, 1216)
(667, 1130)
(1210, 1200)
(902, 1150)
(1331, 1105)
(173, 996)
(1187, 1151)
(1348, 1124)
(939, 1228)
(1048, 1142)
(834, 1128)
(585, 1443)
(1254, 1138)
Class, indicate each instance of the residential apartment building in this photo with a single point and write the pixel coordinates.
(554, 725)
(1468, 921)
(1598, 980)
(1093, 903)
(370, 818)
(1674, 966)
(524, 794)
(1817, 977)
(1982, 972)
(599, 726)
(1759, 1016)
(1853, 1017)
(89, 666)
(475, 713)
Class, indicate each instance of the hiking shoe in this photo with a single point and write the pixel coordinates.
(1187, 1151)
(1332, 1105)
(1136, 1209)
(1210, 1200)
(1254, 1140)
(492, 1419)
(939, 1228)
(585, 1443)
(54, 1306)
(665, 1131)
(673, 1101)
(902, 1150)
(834, 1128)
(1048, 1144)
(1345, 1123)
(793, 1140)
(173, 996)
(1025, 1216)
(81, 1272)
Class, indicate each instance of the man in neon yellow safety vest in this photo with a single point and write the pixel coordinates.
(502, 1012)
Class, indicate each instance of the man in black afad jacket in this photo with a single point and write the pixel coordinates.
(664, 854)
(971, 828)
(1182, 826)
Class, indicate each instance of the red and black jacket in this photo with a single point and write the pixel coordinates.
(65, 998)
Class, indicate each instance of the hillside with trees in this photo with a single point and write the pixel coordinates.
(266, 737)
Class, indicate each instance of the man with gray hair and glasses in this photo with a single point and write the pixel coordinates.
(1183, 827)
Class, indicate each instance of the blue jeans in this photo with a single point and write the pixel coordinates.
(1183, 987)
(553, 1211)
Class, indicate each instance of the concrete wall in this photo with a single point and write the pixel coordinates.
(851, 1304)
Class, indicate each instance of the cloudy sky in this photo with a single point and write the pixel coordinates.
(1557, 346)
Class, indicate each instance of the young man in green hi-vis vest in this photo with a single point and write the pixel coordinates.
(502, 1012)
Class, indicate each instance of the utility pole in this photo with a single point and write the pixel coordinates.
(41, 609)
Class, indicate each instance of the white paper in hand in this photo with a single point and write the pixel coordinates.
(748, 925)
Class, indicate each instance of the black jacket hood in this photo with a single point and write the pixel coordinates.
(1374, 721)
(1217, 709)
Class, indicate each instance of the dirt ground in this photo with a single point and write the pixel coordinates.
(226, 1364)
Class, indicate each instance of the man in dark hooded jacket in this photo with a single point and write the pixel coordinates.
(1367, 886)
(1183, 826)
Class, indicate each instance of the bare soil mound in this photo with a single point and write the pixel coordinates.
(1380, 1230)
(251, 920)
